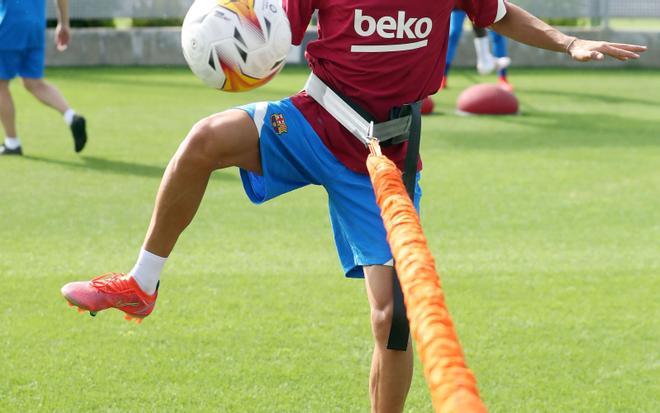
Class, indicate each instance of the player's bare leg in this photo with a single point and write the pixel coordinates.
(46, 93)
(219, 141)
(11, 144)
(226, 139)
(50, 96)
(391, 370)
(7, 109)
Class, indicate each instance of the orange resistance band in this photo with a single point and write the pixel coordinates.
(453, 386)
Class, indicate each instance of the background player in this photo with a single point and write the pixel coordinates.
(22, 53)
(486, 61)
(284, 145)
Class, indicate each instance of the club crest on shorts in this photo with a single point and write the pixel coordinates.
(278, 122)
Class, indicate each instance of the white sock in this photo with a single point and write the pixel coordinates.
(12, 143)
(147, 271)
(485, 59)
(68, 116)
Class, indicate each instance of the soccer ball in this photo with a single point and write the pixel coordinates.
(236, 45)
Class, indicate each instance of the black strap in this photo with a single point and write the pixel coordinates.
(412, 155)
(400, 330)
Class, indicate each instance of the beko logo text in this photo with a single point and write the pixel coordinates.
(389, 27)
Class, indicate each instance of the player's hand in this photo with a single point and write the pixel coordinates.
(62, 36)
(587, 50)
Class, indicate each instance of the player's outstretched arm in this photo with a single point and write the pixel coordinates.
(521, 26)
(62, 32)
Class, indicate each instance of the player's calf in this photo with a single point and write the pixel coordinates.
(51, 96)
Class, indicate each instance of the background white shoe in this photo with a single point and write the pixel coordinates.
(486, 63)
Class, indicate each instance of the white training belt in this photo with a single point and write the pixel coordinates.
(350, 118)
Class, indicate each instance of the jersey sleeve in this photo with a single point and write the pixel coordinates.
(299, 13)
(483, 13)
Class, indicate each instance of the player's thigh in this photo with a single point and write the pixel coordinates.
(229, 138)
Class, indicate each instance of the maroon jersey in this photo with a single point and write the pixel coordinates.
(379, 54)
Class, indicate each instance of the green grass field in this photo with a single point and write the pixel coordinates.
(546, 227)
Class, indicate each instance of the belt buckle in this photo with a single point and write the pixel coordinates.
(401, 111)
(396, 113)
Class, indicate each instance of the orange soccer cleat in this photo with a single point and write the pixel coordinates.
(504, 84)
(111, 290)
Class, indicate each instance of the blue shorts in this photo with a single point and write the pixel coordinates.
(293, 156)
(28, 63)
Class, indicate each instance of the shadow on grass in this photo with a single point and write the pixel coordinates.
(118, 167)
(547, 130)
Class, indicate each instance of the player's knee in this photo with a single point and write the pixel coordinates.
(32, 85)
(209, 142)
(381, 323)
(198, 143)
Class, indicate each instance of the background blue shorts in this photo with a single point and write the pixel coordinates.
(27, 63)
(292, 156)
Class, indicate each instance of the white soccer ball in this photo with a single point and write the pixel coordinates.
(236, 45)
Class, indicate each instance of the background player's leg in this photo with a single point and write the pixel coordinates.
(46, 93)
(501, 53)
(31, 69)
(7, 110)
(226, 139)
(51, 96)
(455, 33)
(499, 44)
(11, 144)
(391, 371)
(485, 60)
